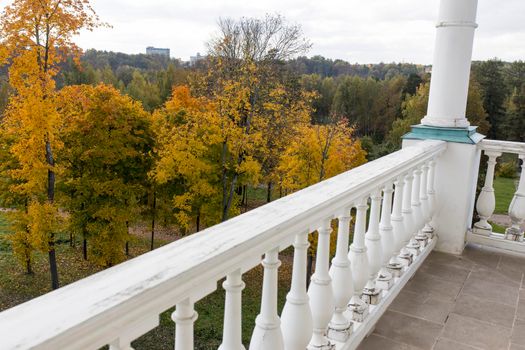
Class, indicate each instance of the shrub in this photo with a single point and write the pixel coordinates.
(507, 170)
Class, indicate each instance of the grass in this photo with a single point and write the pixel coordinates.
(17, 287)
(504, 190)
(497, 228)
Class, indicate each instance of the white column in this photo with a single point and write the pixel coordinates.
(384, 279)
(451, 65)
(359, 263)
(486, 200)
(267, 333)
(340, 327)
(232, 327)
(395, 264)
(320, 291)
(296, 319)
(184, 317)
(517, 208)
(371, 294)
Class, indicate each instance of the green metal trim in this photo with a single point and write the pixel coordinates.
(458, 135)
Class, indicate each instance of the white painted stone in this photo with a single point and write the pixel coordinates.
(296, 319)
(232, 326)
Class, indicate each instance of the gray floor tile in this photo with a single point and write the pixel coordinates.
(518, 333)
(484, 310)
(409, 330)
(375, 342)
(491, 291)
(472, 332)
(447, 344)
(437, 287)
(422, 305)
(446, 272)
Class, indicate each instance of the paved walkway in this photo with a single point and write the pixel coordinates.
(474, 301)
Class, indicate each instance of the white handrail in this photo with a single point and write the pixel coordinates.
(101, 308)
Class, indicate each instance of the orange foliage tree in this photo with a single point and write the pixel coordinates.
(35, 37)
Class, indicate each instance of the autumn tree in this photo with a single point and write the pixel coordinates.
(188, 137)
(245, 77)
(35, 37)
(106, 156)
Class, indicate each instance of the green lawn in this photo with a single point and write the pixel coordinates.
(504, 189)
(17, 287)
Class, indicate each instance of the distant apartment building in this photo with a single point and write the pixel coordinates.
(150, 50)
(195, 59)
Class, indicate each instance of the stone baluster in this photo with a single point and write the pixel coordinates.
(486, 200)
(384, 279)
(428, 229)
(267, 334)
(320, 291)
(517, 208)
(120, 345)
(359, 263)
(408, 216)
(184, 317)
(425, 206)
(340, 327)
(372, 294)
(400, 257)
(232, 327)
(417, 208)
(296, 319)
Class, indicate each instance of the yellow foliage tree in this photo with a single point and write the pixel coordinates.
(35, 37)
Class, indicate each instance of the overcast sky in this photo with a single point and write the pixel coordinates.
(364, 31)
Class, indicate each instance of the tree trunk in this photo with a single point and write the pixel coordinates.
(51, 198)
(153, 219)
(269, 192)
(84, 243)
(29, 270)
(127, 242)
(231, 193)
(198, 221)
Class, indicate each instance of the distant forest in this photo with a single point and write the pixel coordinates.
(379, 100)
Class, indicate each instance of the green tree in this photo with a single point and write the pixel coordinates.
(489, 74)
(106, 156)
(515, 115)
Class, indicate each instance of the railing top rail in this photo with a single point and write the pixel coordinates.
(190, 267)
(503, 146)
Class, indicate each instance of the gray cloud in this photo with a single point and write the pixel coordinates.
(354, 30)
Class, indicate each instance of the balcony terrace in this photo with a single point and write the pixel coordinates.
(417, 274)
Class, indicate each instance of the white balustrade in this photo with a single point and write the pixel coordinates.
(320, 291)
(400, 256)
(372, 294)
(517, 208)
(385, 279)
(487, 200)
(296, 319)
(482, 232)
(184, 317)
(267, 334)
(340, 328)
(232, 330)
(122, 303)
(359, 263)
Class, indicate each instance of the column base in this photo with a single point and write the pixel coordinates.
(384, 280)
(422, 239)
(413, 247)
(328, 346)
(339, 333)
(482, 230)
(395, 268)
(358, 309)
(513, 234)
(371, 296)
(406, 259)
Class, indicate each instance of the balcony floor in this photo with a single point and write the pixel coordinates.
(472, 301)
